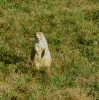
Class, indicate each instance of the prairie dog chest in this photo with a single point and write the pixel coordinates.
(40, 46)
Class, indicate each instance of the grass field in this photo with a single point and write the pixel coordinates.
(71, 28)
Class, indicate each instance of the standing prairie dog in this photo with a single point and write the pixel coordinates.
(40, 55)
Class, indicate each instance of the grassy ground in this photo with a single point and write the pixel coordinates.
(72, 32)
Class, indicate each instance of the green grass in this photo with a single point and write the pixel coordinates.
(72, 31)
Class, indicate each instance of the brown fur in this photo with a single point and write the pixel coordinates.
(40, 54)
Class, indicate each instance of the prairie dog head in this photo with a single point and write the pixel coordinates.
(39, 36)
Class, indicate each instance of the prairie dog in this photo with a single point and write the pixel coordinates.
(40, 55)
